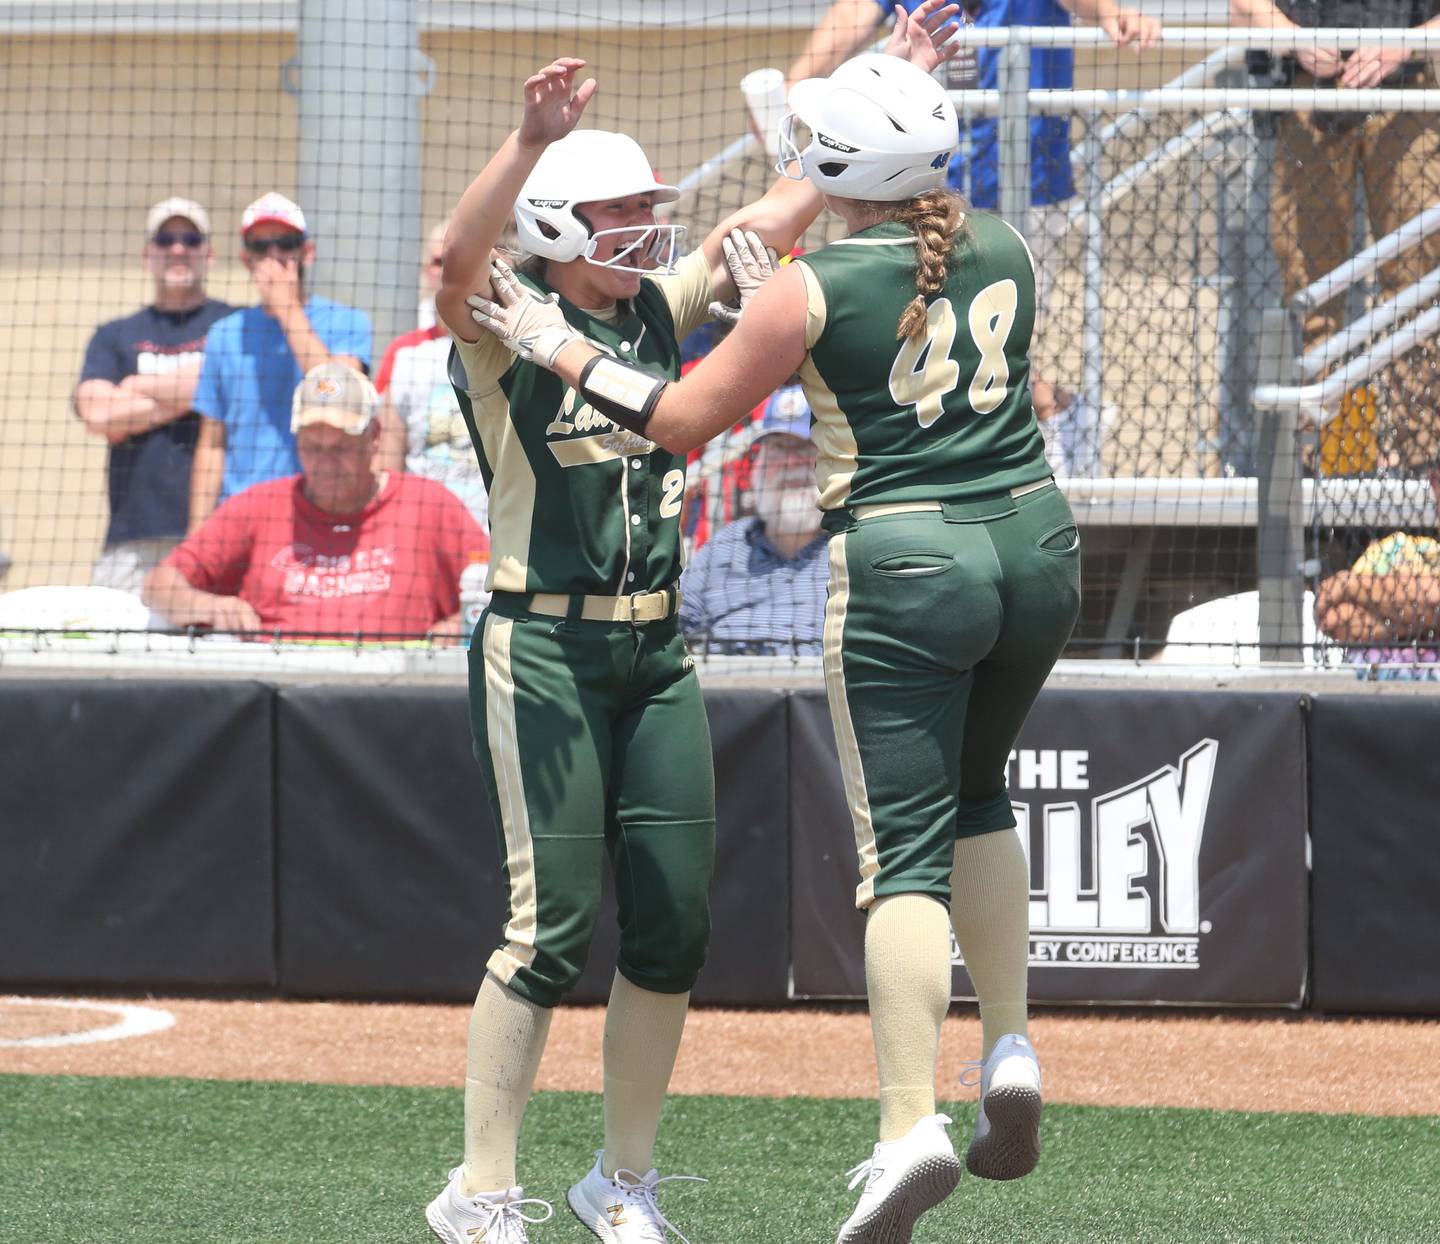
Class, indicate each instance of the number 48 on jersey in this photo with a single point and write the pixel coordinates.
(924, 370)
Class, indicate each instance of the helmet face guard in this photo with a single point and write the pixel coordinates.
(795, 138)
(652, 248)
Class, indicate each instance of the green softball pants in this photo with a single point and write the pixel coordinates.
(593, 742)
(940, 629)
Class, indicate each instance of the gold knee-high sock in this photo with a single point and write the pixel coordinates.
(990, 908)
(507, 1037)
(642, 1037)
(907, 976)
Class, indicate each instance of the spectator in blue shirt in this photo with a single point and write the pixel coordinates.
(136, 392)
(850, 25)
(758, 585)
(255, 358)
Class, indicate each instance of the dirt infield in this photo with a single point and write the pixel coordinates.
(1299, 1063)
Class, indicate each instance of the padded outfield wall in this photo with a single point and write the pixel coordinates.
(1219, 848)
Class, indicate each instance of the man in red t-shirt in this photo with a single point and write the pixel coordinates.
(340, 549)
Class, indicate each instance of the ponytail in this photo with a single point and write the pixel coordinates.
(937, 217)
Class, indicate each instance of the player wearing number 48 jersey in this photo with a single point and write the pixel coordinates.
(587, 718)
(954, 580)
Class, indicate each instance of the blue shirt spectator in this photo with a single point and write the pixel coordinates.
(255, 358)
(851, 24)
(1051, 180)
(248, 377)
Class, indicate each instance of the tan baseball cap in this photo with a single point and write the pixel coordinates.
(335, 394)
(186, 209)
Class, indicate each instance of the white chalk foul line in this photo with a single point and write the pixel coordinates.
(134, 1021)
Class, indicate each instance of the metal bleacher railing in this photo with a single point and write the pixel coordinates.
(1265, 482)
(1237, 464)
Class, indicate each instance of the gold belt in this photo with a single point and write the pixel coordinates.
(933, 507)
(636, 609)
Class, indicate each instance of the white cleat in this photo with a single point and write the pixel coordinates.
(1006, 1144)
(486, 1218)
(903, 1178)
(624, 1210)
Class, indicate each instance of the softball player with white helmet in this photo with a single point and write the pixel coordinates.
(954, 579)
(586, 714)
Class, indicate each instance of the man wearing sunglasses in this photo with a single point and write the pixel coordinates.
(136, 392)
(255, 358)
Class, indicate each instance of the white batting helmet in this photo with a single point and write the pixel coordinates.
(877, 128)
(586, 166)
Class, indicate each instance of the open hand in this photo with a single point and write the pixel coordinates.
(527, 324)
(277, 281)
(1319, 62)
(1370, 66)
(751, 264)
(551, 110)
(231, 614)
(919, 37)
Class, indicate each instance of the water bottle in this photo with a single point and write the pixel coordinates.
(473, 597)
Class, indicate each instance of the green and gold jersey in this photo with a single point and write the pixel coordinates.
(579, 505)
(944, 418)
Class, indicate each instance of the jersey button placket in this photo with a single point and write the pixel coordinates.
(638, 491)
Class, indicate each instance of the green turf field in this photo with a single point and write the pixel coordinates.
(96, 1161)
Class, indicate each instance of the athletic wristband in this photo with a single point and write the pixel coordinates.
(620, 391)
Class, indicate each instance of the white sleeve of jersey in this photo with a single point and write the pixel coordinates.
(485, 362)
(815, 310)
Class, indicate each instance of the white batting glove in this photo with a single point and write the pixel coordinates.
(751, 264)
(527, 324)
(726, 312)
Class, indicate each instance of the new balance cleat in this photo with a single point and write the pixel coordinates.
(903, 1178)
(1006, 1143)
(486, 1218)
(624, 1210)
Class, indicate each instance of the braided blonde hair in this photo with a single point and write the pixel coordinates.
(938, 218)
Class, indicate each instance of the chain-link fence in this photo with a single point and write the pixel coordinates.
(1235, 360)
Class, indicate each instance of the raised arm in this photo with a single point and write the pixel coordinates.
(207, 471)
(781, 216)
(843, 31)
(553, 106)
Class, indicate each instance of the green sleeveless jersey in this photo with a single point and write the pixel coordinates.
(579, 505)
(946, 417)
